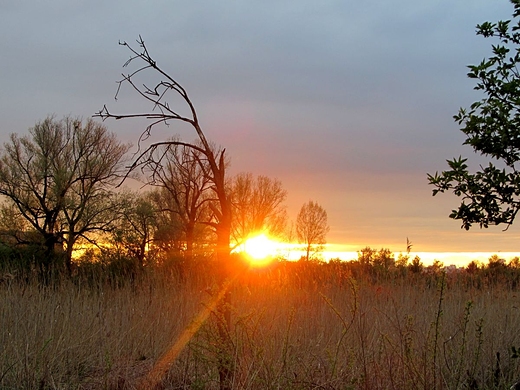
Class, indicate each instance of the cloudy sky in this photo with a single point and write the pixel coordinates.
(348, 103)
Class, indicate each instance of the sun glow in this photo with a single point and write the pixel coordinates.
(260, 249)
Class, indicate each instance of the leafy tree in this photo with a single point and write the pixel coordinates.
(416, 266)
(258, 206)
(312, 227)
(514, 263)
(366, 257)
(490, 196)
(473, 267)
(436, 268)
(380, 262)
(496, 262)
(384, 260)
(60, 178)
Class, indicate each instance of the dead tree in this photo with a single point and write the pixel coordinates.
(159, 95)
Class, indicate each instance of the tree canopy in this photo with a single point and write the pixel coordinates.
(258, 206)
(60, 178)
(312, 227)
(491, 195)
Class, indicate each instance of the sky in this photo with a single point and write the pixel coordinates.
(347, 103)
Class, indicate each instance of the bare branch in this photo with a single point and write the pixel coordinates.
(142, 160)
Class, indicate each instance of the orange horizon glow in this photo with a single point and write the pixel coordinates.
(459, 259)
(261, 249)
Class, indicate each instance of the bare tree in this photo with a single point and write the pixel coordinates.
(59, 178)
(168, 236)
(91, 204)
(258, 206)
(312, 227)
(213, 162)
(163, 95)
(178, 170)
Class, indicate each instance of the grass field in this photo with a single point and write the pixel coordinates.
(292, 328)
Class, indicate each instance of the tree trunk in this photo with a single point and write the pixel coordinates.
(189, 242)
(225, 359)
(49, 262)
(68, 256)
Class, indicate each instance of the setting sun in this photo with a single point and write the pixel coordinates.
(260, 247)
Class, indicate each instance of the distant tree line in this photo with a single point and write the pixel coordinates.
(380, 266)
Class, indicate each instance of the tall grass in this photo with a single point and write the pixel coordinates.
(298, 327)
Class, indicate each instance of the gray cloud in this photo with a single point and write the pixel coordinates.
(347, 102)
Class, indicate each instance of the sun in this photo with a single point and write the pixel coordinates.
(260, 248)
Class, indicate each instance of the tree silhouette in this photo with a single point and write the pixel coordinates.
(185, 188)
(161, 112)
(60, 180)
(258, 206)
(135, 228)
(312, 227)
(166, 98)
(491, 196)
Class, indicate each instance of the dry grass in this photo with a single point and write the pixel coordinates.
(285, 335)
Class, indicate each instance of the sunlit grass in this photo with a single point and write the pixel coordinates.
(294, 325)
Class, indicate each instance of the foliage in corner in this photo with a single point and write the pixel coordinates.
(491, 196)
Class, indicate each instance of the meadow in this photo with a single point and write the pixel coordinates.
(294, 325)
